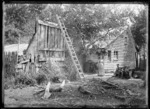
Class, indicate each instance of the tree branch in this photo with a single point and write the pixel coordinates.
(98, 39)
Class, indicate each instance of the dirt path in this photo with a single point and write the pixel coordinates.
(69, 97)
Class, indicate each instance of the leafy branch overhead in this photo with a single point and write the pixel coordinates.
(84, 22)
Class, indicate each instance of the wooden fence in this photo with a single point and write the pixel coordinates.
(10, 60)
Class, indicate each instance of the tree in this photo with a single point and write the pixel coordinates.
(20, 21)
(139, 29)
(139, 32)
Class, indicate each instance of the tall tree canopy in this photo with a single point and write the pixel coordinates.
(139, 30)
(83, 21)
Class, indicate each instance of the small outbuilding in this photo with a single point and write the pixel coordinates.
(46, 43)
(120, 47)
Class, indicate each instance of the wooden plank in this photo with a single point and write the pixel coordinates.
(48, 24)
(61, 42)
(59, 39)
(58, 59)
(48, 37)
(42, 37)
(39, 38)
(45, 36)
(56, 38)
(53, 49)
(53, 38)
(52, 54)
(64, 47)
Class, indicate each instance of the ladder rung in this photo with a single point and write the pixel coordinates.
(68, 38)
(76, 62)
(71, 48)
(79, 70)
(70, 45)
(72, 51)
(73, 54)
(74, 58)
(81, 74)
(78, 65)
(69, 42)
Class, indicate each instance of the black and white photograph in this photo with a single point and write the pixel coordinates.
(75, 55)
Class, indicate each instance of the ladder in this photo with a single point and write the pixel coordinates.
(70, 48)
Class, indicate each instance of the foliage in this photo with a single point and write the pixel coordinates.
(139, 29)
(23, 79)
(70, 69)
(19, 21)
(83, 21)
(41, 78)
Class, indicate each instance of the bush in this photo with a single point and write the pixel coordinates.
(70, 68)
(41, 78)
(23, 79)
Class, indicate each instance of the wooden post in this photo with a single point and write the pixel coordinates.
(18, 47)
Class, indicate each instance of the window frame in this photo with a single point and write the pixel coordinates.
(116, 55)
(109, 55)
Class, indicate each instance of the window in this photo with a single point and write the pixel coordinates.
(109, 55)
(115, 55)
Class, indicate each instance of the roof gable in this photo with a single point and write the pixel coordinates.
(46, 23)
(51, 24)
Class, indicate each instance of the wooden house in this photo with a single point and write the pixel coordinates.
(46, 43)
(120, 49)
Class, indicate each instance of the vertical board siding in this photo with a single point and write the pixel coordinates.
(59, 39)
(39, 37)
(63, 54)
(50, 41)
(45, 37)
(53, 38)
(50, 38)
(56, 43)
(42, 37)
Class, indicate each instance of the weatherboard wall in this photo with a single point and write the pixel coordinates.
(126, 53)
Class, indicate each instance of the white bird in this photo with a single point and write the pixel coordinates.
(47, 93)
(62, 84)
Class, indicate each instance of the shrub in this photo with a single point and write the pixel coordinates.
(24, 79)
(41, 78)
(70, 68)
